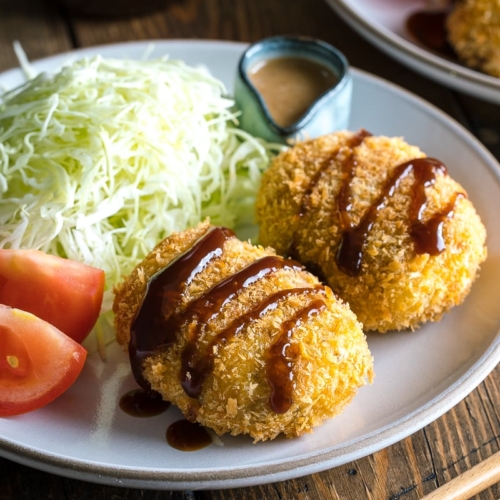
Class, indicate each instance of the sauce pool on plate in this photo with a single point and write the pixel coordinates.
(181, 435)
(187, 436)
(141, 403)
(290, 85)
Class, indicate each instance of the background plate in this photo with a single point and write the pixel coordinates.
(382, 22)
(419, 375)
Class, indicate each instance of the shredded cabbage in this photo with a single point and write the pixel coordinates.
(103, 159)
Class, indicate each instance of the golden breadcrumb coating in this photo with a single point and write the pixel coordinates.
(129, 294)
(333, 359)
(396, 287)
(473, 28)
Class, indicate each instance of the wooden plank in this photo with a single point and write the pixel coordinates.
(469, 433)
(39, 26)
(470, 482)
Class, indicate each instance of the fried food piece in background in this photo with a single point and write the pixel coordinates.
(473, 28)
(319, 192)
(230, 320)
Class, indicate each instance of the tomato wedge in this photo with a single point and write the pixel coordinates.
(63, 292)
(37, 362)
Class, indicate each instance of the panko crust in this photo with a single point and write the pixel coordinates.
(128, 294)
(473, 29)
(396, 288)
(333, 361)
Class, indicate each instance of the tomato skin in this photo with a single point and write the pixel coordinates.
(66, 293)
(37, 362)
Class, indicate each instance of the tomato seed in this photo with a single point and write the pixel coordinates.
(13, 361)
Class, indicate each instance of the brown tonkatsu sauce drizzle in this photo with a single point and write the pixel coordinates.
(327, 164)
(349, 165)
(142, 403)
(426, 235)
(187, 436)
(201, 367)
(202, 310)
(155, 324)
(159, 322)
(282, 356)
(344, 199)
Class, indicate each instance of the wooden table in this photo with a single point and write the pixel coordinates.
(467, 434)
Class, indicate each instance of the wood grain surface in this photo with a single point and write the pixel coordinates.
(407, 470)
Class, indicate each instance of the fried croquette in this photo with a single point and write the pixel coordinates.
(244, 341)
(473, 29)
(385, 227)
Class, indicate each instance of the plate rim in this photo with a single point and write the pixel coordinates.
(246, 475)
(261, 474)
(386, 39)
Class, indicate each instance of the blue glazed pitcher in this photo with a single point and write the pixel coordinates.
(327, 112)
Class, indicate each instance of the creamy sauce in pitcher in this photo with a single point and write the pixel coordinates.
(289, 86)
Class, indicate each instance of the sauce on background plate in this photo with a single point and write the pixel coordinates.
(428, 28)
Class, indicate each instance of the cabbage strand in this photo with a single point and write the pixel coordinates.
(102, 160)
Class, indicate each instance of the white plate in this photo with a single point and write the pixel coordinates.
(382, 22)
(419, 375)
